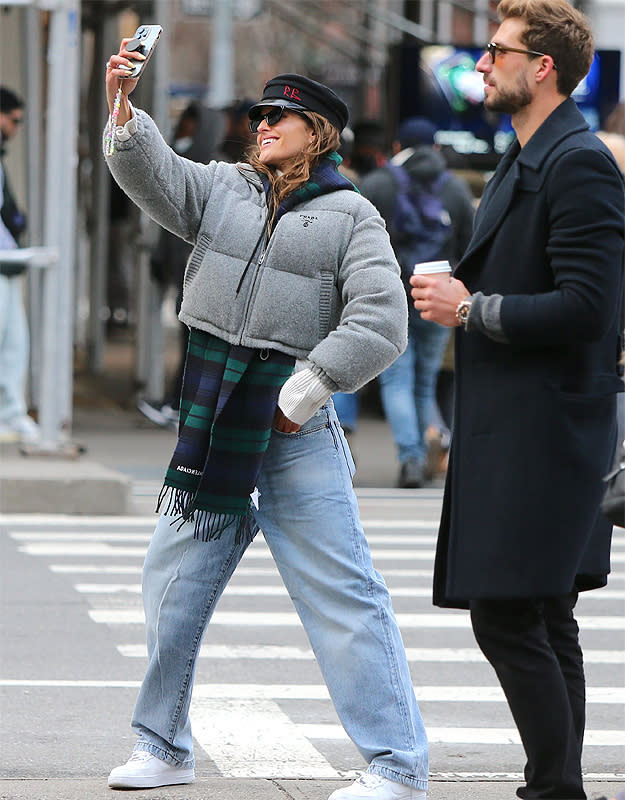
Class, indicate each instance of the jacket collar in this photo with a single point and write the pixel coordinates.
(250, 174)
(564, 121)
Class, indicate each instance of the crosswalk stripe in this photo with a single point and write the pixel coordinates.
(424, 694)
(105, 569)
(414, 654)
(442, 619)
(108, 550)
(241, 571)
(38, 521)
(597, 738)
(219, 691)
(254, 738)
(110, 536)
(270, 571)
(279, 590)
(106, 535)
(77, 549)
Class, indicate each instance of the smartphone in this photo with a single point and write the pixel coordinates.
(144, 41)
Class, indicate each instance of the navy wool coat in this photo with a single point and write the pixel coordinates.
(535, 419)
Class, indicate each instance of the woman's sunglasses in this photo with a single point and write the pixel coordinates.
(271, 117)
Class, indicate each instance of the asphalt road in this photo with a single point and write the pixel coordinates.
(73, 655)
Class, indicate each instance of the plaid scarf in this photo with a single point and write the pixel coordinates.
(323, 179)
(229, 397)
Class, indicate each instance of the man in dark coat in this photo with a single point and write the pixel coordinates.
(537, 302)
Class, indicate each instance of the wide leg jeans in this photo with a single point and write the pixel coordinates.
(308, 514)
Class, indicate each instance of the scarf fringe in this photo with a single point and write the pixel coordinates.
(209, 525)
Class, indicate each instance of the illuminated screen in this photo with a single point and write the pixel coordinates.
(440, 82)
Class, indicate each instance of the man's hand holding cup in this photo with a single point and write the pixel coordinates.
(436, 294)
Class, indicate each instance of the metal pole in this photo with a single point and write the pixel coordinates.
(481, 22)
(150, 356)
(222, 56)
(60, 221)
(31, 60)
(32, 73)
(445, 21)
(101, 202)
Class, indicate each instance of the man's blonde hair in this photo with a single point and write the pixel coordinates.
(557, 29)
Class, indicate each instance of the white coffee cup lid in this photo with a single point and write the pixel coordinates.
(431, 267)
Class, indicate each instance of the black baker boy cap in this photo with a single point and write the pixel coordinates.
(303, 94)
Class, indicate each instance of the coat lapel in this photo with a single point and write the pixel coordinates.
(495, 203)
(563, 122)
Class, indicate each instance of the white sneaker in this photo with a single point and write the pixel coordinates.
(7, 434)
(22, 428)
(145, 771)
(153, 412)
(374, 787)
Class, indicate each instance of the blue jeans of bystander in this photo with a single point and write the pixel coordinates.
(408, 387)
(14, 347)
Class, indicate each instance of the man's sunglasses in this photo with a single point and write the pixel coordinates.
(492, 49)
(271, 117)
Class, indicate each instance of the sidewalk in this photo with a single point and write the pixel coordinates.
(260, 789)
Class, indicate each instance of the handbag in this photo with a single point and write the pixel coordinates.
(613, 503)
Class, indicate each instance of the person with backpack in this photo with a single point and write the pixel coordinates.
(429, 214)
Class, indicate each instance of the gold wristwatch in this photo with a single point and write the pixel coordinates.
(463, 309)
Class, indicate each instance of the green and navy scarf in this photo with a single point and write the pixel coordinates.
(229, 397)
(325, 178)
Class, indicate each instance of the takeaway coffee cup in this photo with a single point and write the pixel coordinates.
(441, 268)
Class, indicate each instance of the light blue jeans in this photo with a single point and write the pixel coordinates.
(14, 348)
(408, 387)
(309, 516)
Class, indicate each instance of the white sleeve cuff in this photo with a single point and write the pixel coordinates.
(302, 395)
(125, 132)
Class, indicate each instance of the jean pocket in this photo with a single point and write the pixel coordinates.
(318, 422)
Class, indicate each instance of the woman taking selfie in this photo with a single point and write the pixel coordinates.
(291, 293)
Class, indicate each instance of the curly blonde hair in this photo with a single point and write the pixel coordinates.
(296, 172)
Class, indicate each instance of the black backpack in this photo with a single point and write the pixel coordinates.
(420, 228)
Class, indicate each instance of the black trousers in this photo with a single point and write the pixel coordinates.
(533, 645)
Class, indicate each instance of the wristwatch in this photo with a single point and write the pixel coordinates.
(463, 309)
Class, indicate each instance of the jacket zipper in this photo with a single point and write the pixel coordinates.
(251, 258)
(250, 295)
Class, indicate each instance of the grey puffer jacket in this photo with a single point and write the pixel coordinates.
(325, 286)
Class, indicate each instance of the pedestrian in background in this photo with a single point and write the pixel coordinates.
(237, 138)
(291, 293)
(408, 386)
(365, 153)
(196, 137)
(536, 302)
(15, 423)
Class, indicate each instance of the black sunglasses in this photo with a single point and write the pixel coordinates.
(271, 117)
(492, 49)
